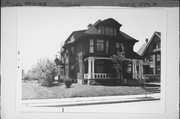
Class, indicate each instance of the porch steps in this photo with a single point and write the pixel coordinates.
(152, 89)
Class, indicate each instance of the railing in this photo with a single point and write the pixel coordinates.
(99, 76)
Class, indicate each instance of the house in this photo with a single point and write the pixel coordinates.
(151, 53)
(87, 53)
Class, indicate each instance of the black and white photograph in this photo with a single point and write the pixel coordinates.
(91, 56)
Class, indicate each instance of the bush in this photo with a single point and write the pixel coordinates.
(152, 78)
(44, 71)
(68, 82)
(46, 79)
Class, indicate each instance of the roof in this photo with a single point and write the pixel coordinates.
(77, 34)
(145, 46)
(141, 50)
(132, 55)
(109, 21)
(58, 62)
(127, 36)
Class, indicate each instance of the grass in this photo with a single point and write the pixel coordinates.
(32, 90)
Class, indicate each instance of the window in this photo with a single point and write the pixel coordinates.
(158, 58)
(117, 45)
(151, 58)
(91, 45)
(129, 68)
(115, 32)
(72, 50)
(158, 69)
(100, 45)
(107, 31)
(99, 66)
(158, 45)
(111, 31)
(107, 46)
(102, 30)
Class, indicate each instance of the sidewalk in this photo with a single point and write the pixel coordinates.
(90, 100)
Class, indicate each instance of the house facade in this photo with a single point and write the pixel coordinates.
(87, 53)
(151, 53)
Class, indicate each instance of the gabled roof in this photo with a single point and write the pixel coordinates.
(109, 21)
(145, 46)
(132, 55)
(77, 34)
(127, 36)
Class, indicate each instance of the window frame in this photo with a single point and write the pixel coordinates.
(100, 45)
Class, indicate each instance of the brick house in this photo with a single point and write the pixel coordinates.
(86, 53)
(151, 53)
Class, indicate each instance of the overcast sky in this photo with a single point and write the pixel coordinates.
(41, 31)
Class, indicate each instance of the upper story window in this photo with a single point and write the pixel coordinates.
(110, 31)
(100, 45)
(107, 31)
(91, 45)
(107, 47)
(158, 45)
(158, 57)
(115, 32)
(72, 50)
(151, 58)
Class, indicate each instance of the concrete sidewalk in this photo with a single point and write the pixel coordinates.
(90, 100)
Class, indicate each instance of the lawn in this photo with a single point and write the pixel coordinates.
(32, 90)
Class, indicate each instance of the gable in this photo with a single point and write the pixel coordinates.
(150, 46)
(92, 30)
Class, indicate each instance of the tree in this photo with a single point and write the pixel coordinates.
(118, 61)
(44, 71)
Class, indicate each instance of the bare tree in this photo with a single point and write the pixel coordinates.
(118, 61)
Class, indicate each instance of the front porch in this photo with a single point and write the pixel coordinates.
(98, 68)
(101, 68)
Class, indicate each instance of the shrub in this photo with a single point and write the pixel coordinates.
(152, 78)
(44, 71)
(46, 79)
(68, 82)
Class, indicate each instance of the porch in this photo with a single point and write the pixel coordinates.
(99, 68)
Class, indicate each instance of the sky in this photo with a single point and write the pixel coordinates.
(42, 31)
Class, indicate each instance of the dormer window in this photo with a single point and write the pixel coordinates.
(109, 31)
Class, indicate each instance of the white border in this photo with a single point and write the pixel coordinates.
(9, 70)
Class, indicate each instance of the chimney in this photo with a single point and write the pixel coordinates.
(89, 25)
(146, 40)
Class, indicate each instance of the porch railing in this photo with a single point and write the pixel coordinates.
(99, 76)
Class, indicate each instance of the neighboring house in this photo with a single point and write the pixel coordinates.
(151, 53)
(87, 53)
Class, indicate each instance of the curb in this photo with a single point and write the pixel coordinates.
(91, 101)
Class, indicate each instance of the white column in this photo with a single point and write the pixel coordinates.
(133, 69)
(93, 60)
(140, 69)
(89, 68)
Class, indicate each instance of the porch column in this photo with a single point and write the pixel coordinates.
(140, 69)
(93, 60)
(89, 68)
(132, 68)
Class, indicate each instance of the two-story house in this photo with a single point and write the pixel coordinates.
(151, 53)
(87, 53)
